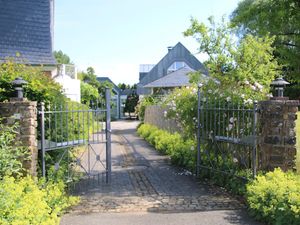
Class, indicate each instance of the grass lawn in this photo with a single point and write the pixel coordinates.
(298, 142)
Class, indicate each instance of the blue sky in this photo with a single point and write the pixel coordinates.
(115, 36)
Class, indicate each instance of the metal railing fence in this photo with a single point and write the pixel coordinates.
(226, 137)
(62, 128)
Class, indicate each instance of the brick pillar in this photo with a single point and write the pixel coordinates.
(278, 136)
(23, 112)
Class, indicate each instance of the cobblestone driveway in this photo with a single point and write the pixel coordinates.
(145, 181)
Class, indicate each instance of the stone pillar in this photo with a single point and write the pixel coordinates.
(25, 114)
(278, 137)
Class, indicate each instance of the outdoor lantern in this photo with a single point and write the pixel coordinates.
(279, 85)
(18, 84)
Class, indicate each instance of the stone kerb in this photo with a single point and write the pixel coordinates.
(155, 115)
(25, 114)
(278, 135)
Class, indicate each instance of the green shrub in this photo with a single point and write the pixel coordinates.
(275, 198)
(182, 152)
(88, 93)
(11, 155)
(24, 202)
(40, 87)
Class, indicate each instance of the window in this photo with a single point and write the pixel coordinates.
(176, 66)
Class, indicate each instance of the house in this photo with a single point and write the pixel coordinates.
(26, 36)
(67, 76)
(170, 72)
(115, 98)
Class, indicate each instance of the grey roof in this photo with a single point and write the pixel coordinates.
(177, 78)
(103, 79)
(26, 28)
(177, 53)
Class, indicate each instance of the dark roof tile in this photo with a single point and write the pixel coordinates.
(25, 28)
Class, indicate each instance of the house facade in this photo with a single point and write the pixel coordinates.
(170, 72)
(67, 76)
(26, 36)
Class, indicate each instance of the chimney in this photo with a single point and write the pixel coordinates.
(170, 48)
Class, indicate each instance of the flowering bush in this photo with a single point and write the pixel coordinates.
(25, 202)
(182, 103)
(275, 198)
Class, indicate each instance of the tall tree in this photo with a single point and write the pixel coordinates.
(89, 77)
(280, 18)
(131, 103)
(122, 86)
(234, 62)
(61, 57)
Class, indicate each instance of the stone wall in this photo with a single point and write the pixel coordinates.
(24, 113)
(277, 135)
(154, 115)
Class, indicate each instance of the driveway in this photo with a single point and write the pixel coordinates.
(147, 189)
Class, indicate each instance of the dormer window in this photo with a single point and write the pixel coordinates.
(176, 66)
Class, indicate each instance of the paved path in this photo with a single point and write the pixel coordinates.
(147, 189)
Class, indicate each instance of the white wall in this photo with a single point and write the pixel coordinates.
(70, 86)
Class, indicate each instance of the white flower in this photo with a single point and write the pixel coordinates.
(231, 120)
(192, 148)
(194, 90)
(194, 118)
(187, 173)
(221, 95)
(210, 91)
(217, 82)
(246, 82)
(270, 95)
(165, 113)
(204, 99)
(242, 95)
(258, 85)
(248, 101)
(235, 160)
(228, 99)
(253, 87)
(229, 128)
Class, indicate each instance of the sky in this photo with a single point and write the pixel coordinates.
(116, 36)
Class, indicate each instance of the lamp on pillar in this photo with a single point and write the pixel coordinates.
(18, 84)
(279, 85)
